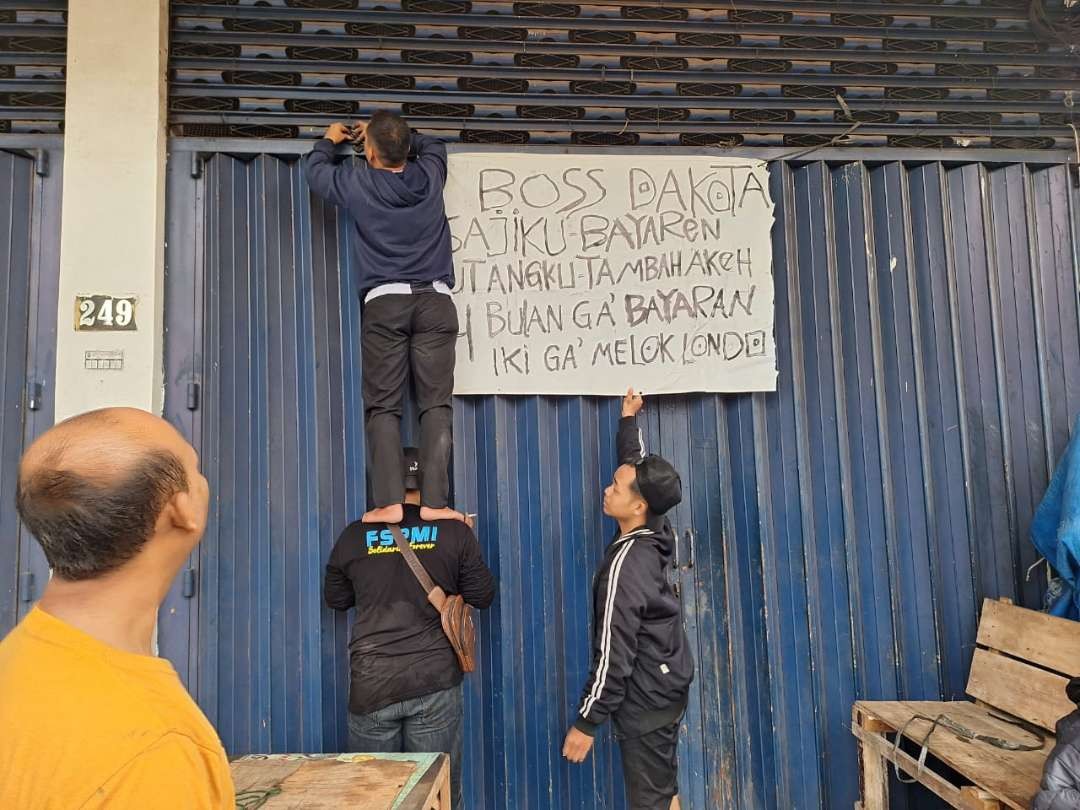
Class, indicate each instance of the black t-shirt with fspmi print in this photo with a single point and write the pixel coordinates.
(398, 648)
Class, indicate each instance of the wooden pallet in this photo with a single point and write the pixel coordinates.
(1019, 670)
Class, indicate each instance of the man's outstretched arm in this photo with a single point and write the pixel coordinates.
(629, 443)
(325, 177)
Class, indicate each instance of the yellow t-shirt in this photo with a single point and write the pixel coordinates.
(85, 725)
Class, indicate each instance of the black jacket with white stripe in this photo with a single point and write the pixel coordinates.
(641, 664)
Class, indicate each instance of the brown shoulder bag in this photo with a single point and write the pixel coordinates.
(457, 620)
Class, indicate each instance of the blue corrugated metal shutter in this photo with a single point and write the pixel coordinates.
(29, 265)
(836, 538)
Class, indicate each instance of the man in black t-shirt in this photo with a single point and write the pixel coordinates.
(405, 687)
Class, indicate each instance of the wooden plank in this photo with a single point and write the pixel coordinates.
(927, 778)
(1022, 690)
(323, 783)
(1048, 641)
(433, 789)
(972, 798)
(1010, 776)
(874, 775)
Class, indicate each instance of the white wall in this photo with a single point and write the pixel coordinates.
(112, 239)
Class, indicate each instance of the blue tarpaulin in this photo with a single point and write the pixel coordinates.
(1055, 530)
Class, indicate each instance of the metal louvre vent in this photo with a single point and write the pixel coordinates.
(362, 81)
(806, 140)
(863, 68)
(759, 16)
(203, 104)
(606, 138)
(1017, 94)
(811, 43)
(493, 34)
(920, 76)
(921, 142)
(494, 136)
(551, 61)
(437, 57)
(333, 107)
(48, 101)
(653, 63)
(437, 6)
(708, 89)
(205, 50)
(261, 77)
(435, 110)
(701, 39)
(1022, 143)
(32, 44)
(330, 5)
(603, 88)
(710, 139)
(380, 30)
(915, 45)
(481, 84)
(811, 91)
(602, 37)
(969, 119)
(316, 54)
(963, 23)
(758, 66)
(917, 93)
(1013, 47)
(552, 113)
(862, 20)
(656, 115)
(759, 116)
(654, 13)
(259, 25)
(867, 116)
(546, 10)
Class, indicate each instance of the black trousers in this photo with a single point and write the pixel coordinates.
(651, 767)
(400, 333)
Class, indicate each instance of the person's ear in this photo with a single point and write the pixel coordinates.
(180, 512)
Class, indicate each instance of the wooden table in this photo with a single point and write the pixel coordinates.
(325, 781)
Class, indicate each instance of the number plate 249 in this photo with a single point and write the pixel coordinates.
(105, 313)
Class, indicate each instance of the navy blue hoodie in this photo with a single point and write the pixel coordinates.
(397, 222)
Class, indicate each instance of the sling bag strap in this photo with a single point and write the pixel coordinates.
(435, 594)
(454, 613)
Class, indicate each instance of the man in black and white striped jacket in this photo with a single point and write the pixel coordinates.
(641, 664)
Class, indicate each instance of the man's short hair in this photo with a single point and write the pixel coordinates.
(390, 136)
(89, 526)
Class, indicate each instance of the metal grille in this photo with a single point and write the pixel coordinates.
(909, 74)
(33, 45)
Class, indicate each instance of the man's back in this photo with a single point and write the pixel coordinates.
(397, 220)
(398, 646)
(86, 725)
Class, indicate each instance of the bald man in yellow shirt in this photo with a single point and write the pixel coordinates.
(89, 717)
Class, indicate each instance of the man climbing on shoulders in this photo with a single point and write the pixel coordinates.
(641, 664)
(401, 256)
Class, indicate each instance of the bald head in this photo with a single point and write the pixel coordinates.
(92, 488)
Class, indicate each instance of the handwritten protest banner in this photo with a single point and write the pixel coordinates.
(581, 274)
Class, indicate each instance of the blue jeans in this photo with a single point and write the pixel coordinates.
(427, 724)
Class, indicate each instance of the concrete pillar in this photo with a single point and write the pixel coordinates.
(113, 218)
